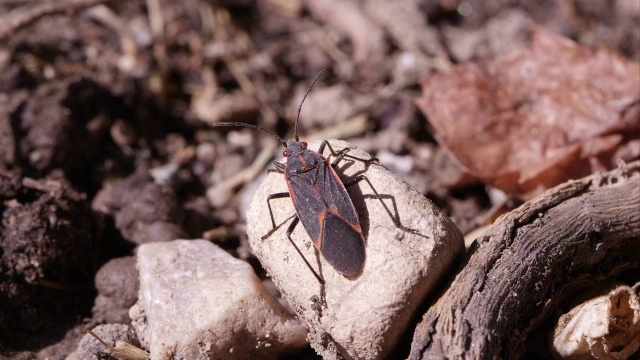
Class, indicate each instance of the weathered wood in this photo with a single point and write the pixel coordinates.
(528, 261)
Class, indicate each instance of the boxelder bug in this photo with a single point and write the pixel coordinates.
(321, 200)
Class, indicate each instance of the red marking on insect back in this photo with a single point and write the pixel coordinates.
(317, 242)
(303, 162)
(354, 225)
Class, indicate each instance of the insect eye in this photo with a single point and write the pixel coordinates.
(304, 144)
(284, 153)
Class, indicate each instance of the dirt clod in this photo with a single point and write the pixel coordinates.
(44, 242)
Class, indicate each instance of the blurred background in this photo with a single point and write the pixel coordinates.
(106, 106)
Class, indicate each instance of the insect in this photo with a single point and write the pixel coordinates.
(321, 200)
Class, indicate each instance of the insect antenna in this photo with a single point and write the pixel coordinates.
(295, 127)
(284, 143)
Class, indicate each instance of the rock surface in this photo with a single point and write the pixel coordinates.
(198, 302)
(361, 317)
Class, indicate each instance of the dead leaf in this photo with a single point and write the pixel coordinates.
(605, 327)
(538, 116)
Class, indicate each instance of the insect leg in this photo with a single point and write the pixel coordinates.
(339, 155)
(359, 178)
(292, 226)
(271, 197)
(338, 159)
(279, 167)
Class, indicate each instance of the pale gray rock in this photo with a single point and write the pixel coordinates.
(198, 302)
(361, 317)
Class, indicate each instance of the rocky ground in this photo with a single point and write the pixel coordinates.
(106, 143)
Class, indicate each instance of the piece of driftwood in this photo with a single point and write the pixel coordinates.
(529, 260)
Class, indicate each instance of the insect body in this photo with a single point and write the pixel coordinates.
(321, 200)
(324, 208)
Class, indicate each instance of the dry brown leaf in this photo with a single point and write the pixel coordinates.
(605, 327)
(538, 116)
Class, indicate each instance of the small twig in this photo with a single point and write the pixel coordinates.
(252, 171)
(349, 128)
(122, 350)
(15, 2)
(220, 193)
(39, 11)
(224, 31)
(319, 36)
(156, 20)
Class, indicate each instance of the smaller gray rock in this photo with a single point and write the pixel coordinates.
(198, 302)
(117, 283)
(89, 348)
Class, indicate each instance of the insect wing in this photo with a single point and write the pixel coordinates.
(327, 213)
(342, 246)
